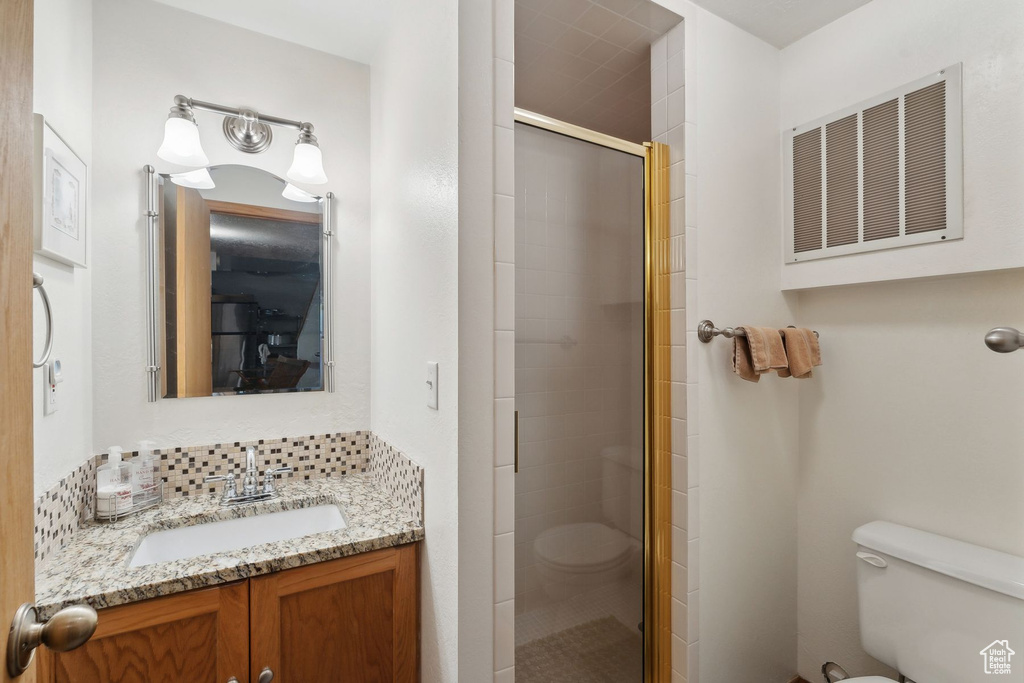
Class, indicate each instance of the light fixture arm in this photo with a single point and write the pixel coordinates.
(235, 111)
(247, 130)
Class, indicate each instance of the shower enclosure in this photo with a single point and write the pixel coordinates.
(584, 402)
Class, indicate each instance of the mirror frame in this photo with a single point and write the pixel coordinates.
(155, 327)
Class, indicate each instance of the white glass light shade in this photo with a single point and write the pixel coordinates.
(198, 179)
(296, 195)
(307, 165)
(181, 144)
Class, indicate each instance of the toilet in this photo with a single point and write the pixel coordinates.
(938, 610)
(587, 554)
(583, 555)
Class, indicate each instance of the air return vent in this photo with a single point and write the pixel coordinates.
(885, 173)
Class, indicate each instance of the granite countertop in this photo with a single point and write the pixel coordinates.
(93, 567)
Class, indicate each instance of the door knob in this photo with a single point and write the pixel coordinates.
(66, 630)
(266, 675)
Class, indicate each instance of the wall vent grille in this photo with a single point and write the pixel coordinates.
(882, 174)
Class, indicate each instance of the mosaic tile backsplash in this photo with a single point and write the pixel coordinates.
(61, 510)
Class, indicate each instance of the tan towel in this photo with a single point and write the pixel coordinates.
(802, 350)
(761, 350)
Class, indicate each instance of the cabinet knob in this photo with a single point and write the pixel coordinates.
(266, 675)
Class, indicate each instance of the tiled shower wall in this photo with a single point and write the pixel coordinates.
(579, 349)
(671, 123)
(674, 123)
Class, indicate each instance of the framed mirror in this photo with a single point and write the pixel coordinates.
(240, 286)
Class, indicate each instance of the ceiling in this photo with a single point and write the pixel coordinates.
(780, 22)
(347, 28)
(588, 62)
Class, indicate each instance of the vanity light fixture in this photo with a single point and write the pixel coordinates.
(247, 130)
(298, 195)
(308, 162)
(181, 143)
(198, 179)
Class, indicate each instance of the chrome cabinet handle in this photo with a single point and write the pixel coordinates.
(37, 283)
(266, 675)
(66, 630)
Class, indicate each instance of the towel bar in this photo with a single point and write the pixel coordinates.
(706, 331)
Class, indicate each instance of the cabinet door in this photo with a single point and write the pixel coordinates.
(196, 637)
(353, 620)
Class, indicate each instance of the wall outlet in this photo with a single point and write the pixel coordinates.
(432, 385)
(51, 378)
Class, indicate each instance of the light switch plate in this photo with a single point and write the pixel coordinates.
(432, 385)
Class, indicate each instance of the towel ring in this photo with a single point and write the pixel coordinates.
(37, 283)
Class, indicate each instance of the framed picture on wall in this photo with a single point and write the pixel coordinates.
(60, 183)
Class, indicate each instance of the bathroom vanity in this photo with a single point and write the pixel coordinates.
(340, 604)
(353, 619)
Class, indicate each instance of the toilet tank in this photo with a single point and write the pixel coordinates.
(931, 606)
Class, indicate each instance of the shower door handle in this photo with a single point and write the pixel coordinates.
(515, 469)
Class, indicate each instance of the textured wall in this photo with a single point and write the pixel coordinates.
(414, 311)
(912, 419)
(63, 94)
(140, 64)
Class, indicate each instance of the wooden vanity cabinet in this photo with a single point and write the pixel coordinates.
(349, 621)
(201, 635)
(352, 620)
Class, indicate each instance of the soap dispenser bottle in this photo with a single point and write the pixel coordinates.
(113, 485)
(144, 472)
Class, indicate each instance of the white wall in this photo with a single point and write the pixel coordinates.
(63, 94)
(748, 432)
(912, 419)
(145, 53)
(886, 44)
(414, 272)
(486, 571)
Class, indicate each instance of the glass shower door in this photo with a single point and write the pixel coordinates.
(580, 401)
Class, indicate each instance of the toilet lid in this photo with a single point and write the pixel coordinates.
(587, 546)
(869, 679)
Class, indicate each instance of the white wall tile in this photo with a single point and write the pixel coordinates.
(504, 431)
(504, 29)
(659, 117)
(504, 161)
(693, 564)
(504, 93)
(504, 635)
(504, 229)
(504, 567)
(504, 364)
(504, 500)
(504, 296)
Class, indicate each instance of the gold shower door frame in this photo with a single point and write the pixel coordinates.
(657, 389)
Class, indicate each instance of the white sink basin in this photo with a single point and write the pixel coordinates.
(236, 534)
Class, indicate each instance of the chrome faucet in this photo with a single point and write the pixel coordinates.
(252, 475)
(251, 489)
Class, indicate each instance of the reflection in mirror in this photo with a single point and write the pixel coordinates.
(242, 284)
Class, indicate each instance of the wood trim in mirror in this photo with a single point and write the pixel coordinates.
(265, 212)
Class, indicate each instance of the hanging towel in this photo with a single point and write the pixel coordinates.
(802, 350)
(761, 350)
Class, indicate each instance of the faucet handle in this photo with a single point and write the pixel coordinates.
(268, 477)
(229, 483)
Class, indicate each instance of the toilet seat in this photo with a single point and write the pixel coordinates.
(601, 547)
(868, 679)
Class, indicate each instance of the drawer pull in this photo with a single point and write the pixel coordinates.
(266, 675)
